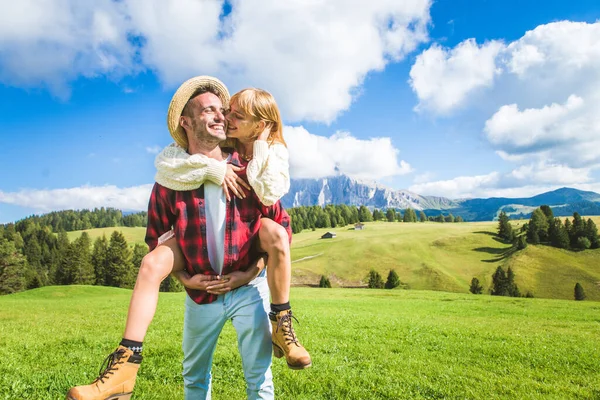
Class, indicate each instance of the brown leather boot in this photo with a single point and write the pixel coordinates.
(285, 342)
(115, 381)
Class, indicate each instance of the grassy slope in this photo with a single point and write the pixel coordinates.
(365, 344)
(432, 256)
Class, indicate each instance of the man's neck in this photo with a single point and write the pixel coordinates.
(208, 149)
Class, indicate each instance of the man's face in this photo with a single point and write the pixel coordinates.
(207, 122)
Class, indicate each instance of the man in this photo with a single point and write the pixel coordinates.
(210, 231)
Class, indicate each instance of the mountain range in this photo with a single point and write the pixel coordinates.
(345, 190)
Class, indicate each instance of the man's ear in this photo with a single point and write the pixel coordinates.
(184, 122)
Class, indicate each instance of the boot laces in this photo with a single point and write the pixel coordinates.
(285, 323)
(110, 364)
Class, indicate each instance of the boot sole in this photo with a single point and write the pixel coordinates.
(278, 352)
(121, 396)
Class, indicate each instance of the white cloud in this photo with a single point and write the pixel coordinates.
(443, 79)
(313, 156)
(459, 187)
(53, 42)
(544, 92)
(313, 56)
(522, 129)
(526, 180)
(133, 198)
(153, 149)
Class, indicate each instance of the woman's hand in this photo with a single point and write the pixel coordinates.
(230, 281)
(234, 183)
(264, 135)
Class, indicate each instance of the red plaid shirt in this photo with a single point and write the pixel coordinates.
(184, 212)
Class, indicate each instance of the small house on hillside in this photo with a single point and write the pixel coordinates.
(328, 235)
(359, 226)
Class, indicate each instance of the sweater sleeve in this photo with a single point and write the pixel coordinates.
(269, 172)
(177, 170)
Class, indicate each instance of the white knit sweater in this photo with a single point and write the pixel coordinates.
(268, 171)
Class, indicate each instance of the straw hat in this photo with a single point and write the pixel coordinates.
(181, 97)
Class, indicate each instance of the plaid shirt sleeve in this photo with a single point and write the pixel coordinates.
(160, 216)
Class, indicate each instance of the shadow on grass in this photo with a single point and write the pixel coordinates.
(499, 253)
(486, 233)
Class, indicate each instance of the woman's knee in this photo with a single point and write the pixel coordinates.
(273, 237)
(155, 267)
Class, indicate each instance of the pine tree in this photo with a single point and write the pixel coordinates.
(410, 215)
(583, 243)
(83, 271)
(578, 229)
(423, 217)
(513, 290)
(393, 280)
(559, 237)
(579, 293)
(521, 242)
(324, 282)
(100, 260)
(139, 251)
(375, 280)
(505, 231)
(13, 268)
(591, 232)
(364, 215)
(390, 215)
(476, 287)
(537, 227)
(499, 283)
(120, 273)
(33, 252)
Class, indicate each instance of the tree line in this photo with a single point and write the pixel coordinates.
(332, 216)
(544, 228)
(77, 220)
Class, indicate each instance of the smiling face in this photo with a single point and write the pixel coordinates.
(203, 119)
(240, 125)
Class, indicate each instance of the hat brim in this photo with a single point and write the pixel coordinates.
(183, 95)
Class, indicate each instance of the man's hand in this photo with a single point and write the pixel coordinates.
(229, 282)
(198, 281)
(234, 183)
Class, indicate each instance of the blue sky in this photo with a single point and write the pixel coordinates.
(453, 98)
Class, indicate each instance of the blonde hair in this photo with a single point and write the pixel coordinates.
(261, 106)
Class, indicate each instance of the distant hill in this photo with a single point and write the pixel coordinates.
(430, 256)
(345, 190)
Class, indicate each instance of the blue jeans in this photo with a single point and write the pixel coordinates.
(247, 307)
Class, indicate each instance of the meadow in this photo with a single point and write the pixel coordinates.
(430, 256)
(365, 344)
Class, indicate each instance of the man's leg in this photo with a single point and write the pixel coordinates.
(274, 240)
(118, 379)
(201, 328)
(248, 307)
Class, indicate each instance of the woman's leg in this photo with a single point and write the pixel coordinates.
(274, 240)
(118, 379)
(156, 266)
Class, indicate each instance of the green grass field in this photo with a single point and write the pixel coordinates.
(365, 344)
(431, 256)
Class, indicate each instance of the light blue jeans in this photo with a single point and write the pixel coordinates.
(247, 307)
